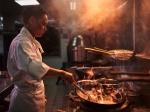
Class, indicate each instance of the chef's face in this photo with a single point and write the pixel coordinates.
(39, 26)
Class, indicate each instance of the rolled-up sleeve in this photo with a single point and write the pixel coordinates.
(37, 69)
(28, 61)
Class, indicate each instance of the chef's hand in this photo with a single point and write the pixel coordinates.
(68, 77)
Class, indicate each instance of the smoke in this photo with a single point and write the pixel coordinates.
(87, 14)
(143, 27)
(110, 19)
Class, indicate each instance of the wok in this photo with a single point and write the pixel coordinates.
(101, 93)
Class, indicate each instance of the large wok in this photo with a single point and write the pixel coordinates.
(101, 93)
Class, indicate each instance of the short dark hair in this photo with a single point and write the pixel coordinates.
(36, 11)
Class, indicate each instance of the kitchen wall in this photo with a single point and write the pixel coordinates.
(57, 61)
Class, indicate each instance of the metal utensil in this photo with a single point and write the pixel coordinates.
(76, 85)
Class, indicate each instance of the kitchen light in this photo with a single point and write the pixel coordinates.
(27, 2)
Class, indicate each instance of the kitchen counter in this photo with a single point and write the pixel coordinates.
(6, 85)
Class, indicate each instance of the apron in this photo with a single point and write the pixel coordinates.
(27, 99)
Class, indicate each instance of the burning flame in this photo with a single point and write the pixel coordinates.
(90, 74)
(105, 94)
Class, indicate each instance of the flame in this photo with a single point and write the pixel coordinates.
(105, 95)
(90, 74)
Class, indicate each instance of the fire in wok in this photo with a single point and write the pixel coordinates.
(102, 91)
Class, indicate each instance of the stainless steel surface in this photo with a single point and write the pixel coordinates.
(76, 50)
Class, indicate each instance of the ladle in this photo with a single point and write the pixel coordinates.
(76, 85)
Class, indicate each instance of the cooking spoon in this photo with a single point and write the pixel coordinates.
(77, 86)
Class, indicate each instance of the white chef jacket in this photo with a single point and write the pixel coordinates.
(26, 68)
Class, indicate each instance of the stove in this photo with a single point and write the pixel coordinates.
(129, 105)
(76, 105)
(133, 103)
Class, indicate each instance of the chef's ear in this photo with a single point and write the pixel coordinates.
(31, 19)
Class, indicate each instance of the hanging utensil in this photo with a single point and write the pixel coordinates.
(96, 50)
(121, 54)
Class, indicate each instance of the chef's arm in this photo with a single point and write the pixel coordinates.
(40, 70)
(56, 72)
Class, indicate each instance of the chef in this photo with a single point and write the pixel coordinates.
(25, 64)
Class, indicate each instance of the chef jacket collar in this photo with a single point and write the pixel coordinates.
(38, 45)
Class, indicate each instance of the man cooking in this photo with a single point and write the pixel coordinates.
(25, 64)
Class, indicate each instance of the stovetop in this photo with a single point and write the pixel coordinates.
(131, 104)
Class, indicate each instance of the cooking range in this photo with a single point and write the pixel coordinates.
(128, 90)
(76, 105)
(133, 102)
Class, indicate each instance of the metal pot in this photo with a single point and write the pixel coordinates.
(105, 93)
(76, 50)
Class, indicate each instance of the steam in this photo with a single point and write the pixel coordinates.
(110, 19)
(143, 33)
(87, 13)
